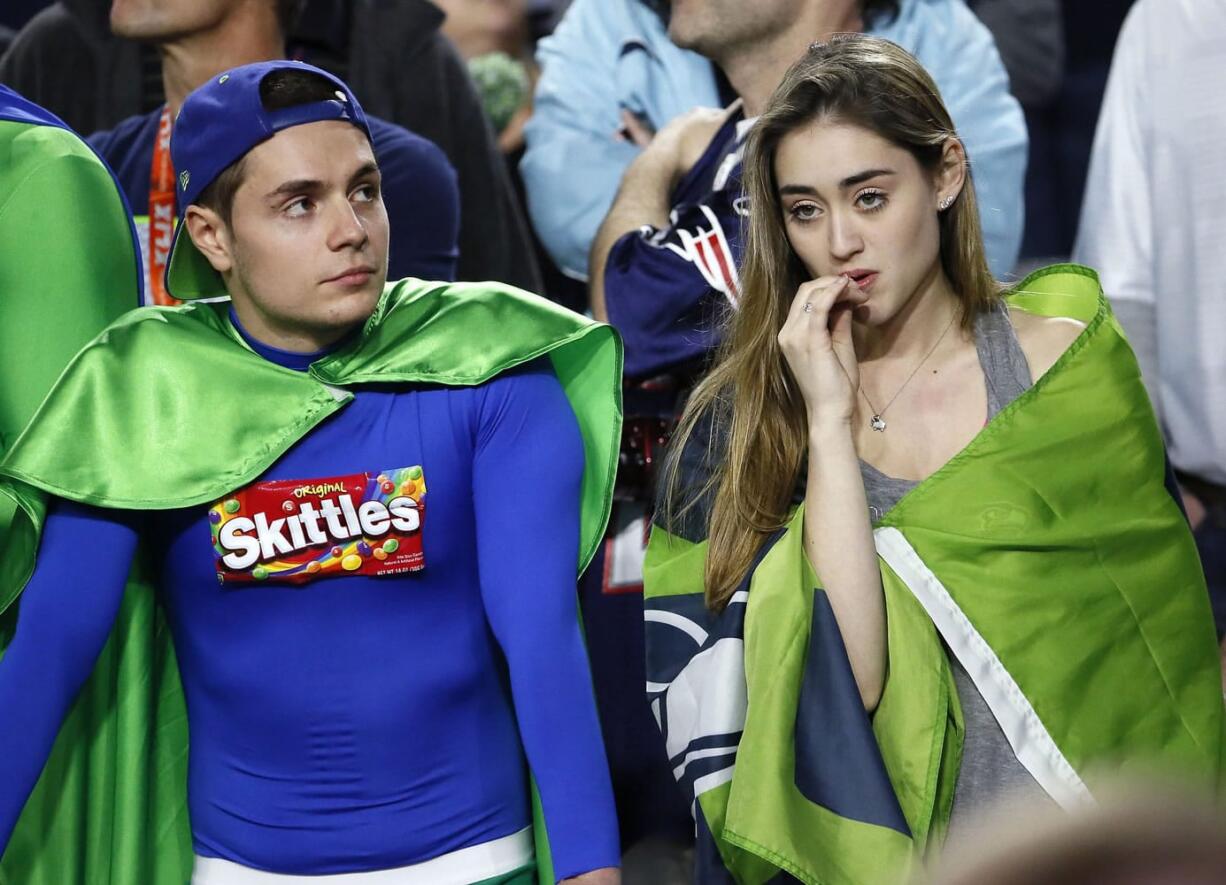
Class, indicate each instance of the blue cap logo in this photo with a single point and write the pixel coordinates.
(184, 178)
(223, 78)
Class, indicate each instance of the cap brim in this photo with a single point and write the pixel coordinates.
(189, 274)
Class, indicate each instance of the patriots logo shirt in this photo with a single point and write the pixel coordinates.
(667, 290)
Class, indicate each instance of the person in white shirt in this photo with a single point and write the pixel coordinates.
(1154, 223)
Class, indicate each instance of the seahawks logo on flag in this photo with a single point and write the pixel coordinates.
(696, 685)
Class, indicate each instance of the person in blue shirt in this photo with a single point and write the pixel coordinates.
(365, 722)
(609, 58)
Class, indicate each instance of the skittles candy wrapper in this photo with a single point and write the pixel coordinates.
(296, 531)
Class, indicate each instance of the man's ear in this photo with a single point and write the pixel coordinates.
(951, 172)
(211, 236)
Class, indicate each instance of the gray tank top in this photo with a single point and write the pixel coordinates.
(989, 770)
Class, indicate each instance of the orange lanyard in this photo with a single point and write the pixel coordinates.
(161, 213)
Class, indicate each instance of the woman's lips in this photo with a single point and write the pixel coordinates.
(863, 279)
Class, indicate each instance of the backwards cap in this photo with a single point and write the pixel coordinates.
(216, 127)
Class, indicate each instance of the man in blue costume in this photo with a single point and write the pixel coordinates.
(367, 680)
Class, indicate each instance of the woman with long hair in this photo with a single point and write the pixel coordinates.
(915, 551)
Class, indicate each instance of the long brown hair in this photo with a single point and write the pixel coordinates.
(750, 394)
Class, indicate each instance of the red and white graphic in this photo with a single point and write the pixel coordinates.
(706, 247)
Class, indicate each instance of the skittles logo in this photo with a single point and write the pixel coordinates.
(299, 530)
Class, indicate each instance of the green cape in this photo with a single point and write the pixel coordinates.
(134, 423)
(70, 259)
(1048, 555)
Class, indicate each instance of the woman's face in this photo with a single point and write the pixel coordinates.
(859, 205)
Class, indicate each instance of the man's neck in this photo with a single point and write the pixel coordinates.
(756, 70)
(251, 34)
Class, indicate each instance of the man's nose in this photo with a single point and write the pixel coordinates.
(346, 229)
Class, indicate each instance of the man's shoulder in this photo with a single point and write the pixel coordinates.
(138, 131)
(393, 142)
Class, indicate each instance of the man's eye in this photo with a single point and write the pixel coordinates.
(297, 208)
(366, 193)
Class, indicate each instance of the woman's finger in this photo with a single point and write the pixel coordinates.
(818, 295)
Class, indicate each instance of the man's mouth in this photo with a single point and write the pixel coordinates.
(357, 275)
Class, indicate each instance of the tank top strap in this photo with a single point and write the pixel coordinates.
(1005, 369)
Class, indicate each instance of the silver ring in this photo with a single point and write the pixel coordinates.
(808, 308)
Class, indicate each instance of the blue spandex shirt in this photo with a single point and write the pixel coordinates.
(359, 723)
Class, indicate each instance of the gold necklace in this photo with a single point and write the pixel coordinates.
(877, 422)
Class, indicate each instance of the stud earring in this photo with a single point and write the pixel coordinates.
(945, 203)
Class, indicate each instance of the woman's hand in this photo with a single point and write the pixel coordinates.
(817, 344)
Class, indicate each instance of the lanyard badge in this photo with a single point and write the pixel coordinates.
(161, 214)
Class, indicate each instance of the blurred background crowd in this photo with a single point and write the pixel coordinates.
(1094, 130)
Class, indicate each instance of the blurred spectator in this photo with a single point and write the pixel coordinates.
(613, 55)
(495, 38)
(198, 39)
(1135, 836)
(1154, 225)
(1029, 35)
(393, 55)
(1062, 131)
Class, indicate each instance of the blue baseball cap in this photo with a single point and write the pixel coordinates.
(218, 124)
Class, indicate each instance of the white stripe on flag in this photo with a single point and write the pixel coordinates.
(1031, 742)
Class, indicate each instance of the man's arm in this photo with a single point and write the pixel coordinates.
(605, 56)
(527, 475)
(67, 610)
(645, 195)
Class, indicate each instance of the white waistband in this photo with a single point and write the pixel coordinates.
(463, 867)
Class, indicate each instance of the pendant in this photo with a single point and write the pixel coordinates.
(878, 424)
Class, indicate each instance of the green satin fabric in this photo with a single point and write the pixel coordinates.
(169, 408)
(1054, 533)
(69, 268)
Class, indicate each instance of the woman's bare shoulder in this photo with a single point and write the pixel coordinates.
(1043, 339)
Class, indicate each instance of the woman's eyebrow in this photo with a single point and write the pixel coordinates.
(861, 177)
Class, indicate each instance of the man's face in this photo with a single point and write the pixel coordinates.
(163, 20)
(308, 234)
(712, 27)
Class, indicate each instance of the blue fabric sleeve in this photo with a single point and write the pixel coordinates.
(65, 617)
(527, 473)
(663, 307)
(422, 198)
